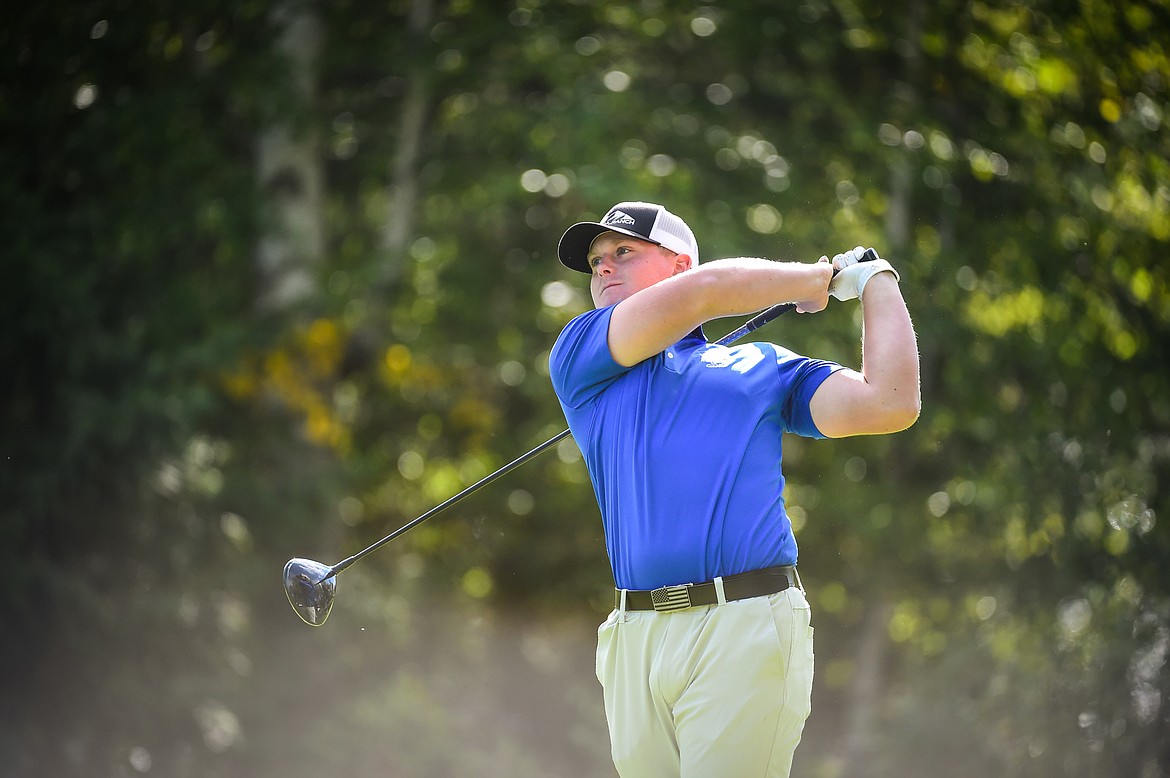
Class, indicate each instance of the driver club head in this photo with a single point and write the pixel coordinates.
(309, 592)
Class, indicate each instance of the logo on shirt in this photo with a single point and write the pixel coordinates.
(740, 359)
(717, 358)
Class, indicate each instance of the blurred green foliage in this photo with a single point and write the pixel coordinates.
(168, 442)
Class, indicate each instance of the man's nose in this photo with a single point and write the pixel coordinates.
(605, 264)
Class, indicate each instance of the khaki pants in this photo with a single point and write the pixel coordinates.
(720, 691)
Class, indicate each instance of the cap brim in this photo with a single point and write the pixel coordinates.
(573, 250)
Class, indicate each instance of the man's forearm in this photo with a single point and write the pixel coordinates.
(889, 353)
(742, 285)
(653, 318)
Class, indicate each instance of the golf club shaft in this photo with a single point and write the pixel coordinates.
(751, 325)
(515, 463)
(754, 323)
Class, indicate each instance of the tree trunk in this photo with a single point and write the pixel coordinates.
(399, 224)
(865, 692)
(898, 216)
(290, 172)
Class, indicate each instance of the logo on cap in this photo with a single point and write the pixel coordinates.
(620, 217)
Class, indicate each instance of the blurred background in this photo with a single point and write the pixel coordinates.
(280, 276)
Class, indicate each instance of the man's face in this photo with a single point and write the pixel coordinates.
(622, 265)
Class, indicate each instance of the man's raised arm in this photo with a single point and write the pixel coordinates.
(884, 396)
(653, 318)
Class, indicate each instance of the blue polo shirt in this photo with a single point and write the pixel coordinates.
(684, 449)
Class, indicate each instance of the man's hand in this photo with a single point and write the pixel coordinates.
(853, 274)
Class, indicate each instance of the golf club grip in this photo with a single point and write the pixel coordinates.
(754, 323)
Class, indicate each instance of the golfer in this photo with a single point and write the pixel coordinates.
(706, 661)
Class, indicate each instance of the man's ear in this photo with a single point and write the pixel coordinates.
(682, 262)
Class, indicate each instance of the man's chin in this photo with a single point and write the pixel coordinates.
(608, 296)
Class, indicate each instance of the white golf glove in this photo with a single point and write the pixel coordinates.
(852, 274)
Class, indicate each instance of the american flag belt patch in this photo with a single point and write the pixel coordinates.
(671, 598)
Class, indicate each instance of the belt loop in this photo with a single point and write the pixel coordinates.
(622, 601)
(799, 584)
(719, 593)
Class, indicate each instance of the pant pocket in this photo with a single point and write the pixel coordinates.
(605, 634)
(792, 618)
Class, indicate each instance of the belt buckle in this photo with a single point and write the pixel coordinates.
(671, 598)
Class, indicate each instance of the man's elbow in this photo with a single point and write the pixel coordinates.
(878, 419)
(901, 413)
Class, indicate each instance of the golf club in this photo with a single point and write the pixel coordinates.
(311, 586)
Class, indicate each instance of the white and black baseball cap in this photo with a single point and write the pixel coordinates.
(646, 221)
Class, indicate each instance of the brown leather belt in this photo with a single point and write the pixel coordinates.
(757, 583)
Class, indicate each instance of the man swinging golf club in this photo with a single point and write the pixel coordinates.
(706, 661)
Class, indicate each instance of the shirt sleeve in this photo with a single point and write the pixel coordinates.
(803, 376)
(580, 364)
